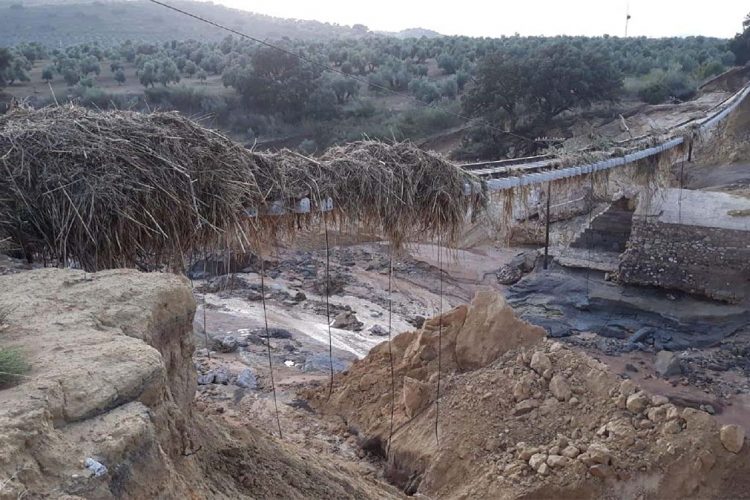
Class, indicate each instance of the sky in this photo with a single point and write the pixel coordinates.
(493, 18)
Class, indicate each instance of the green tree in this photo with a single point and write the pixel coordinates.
(48, 73)
(120, 76)
(201, 75)
(6, 58)
(740, 44)
(71, 75)
(190, 68)
(168, 72)
(147, 74)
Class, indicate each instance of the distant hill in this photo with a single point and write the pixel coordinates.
(417, 33)
(69, 22)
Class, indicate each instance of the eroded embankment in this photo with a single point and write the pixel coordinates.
(113, 380)
(524, 417)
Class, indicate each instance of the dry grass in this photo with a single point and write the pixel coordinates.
(122, 189)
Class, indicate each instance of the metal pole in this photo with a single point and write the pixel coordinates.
(546, 235)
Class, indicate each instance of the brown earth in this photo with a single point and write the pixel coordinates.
(528, 418)
(112, 379)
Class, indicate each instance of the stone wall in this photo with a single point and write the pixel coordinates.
(709, 261)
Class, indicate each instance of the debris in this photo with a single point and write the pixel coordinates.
(97, 468)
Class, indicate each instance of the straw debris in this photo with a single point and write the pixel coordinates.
(121, 189)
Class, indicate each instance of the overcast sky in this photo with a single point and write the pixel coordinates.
(653, 18)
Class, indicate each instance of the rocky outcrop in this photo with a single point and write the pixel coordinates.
(111, 380)
(107, 409)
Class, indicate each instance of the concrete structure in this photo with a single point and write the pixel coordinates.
(693, 241)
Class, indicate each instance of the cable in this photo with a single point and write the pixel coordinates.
(268, 336)
(390, 347)
(334, 70)
(440, 341)
(328, 306)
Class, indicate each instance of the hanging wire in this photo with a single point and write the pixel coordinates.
(679, 195)
(390, 346)
(268, 336)
(328, 305)
(440, 340)
(589, 233)
(205, 331)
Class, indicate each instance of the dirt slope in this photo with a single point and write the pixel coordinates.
(112, 379)
(524, 417)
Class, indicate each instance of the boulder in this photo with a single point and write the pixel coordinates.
(378, 331)
(347, 320)
(226, 344)
(558, 461)
(537, 460)
(638, 402)
(732, 437)
(559, 388)
(221, 375)
(416, 395)
(525, 407)
(667, 364)
(247, 379)
(540, 362)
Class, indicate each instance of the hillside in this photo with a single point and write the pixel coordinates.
(68, 23)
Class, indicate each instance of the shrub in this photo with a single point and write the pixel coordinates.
(12, 366)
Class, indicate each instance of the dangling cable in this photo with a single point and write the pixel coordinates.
(268, 336)
(390, 347)
(588, 238)
(205, 332)
(679, 195)
(328, 305)
(440, 340)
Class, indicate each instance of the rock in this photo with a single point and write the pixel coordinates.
(491, 329)
(601, 471)
(537, 460)
(321, 362)
(559, 388)
(416, 321)
(540, 362)
(558, 461)
(627, 387)
(659, 400)
(667, 364)
(221, 375)
(732, 437)
(657, 414)
(599, 453)
(543, 469)
(274, 333)
(416, 396)
(526, 453)
(378, 331)
(571, 451)
(299, 297)
(225, 344)
(246, 379)
(638, 402)
(525, 407)
(522, 389)
(672, 427)
(347, 320)
(206, 378)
